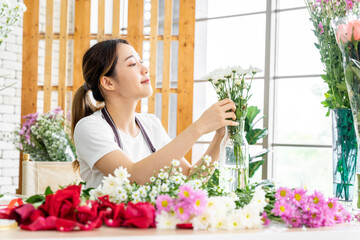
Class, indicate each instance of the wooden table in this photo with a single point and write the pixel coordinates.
(274, 231)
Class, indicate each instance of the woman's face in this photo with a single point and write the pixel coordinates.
(132, 77)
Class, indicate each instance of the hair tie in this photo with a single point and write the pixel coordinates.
(85, 86)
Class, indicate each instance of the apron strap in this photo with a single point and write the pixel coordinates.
(109, 120)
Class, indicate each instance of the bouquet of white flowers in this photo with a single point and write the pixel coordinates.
(10, 12)
(44, 138)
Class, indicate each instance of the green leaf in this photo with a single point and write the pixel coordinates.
(356, 71)
(342, 86)
(253, 136)
(35, 199)
(259, 154)
(48, 191)
(1, 195)
(252, 112)
(253, 166)
(86, 192)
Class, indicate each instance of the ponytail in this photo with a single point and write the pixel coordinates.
(99, 60)
(82, 106)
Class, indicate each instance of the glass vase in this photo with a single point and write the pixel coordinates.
(234, 158)
(346, 31)
(344, 153)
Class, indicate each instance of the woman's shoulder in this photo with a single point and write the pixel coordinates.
(148, 119)
(94, 120)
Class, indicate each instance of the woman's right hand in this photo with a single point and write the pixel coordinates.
(217, 116)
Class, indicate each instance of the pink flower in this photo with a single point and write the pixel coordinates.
(265, 219)
(182, 210)
(332, 204)
(282, 208)
(314, 218)
(199, 201)
(186, 192)
(283, 193)
(298, 196)
(357, 216)
(343, 35)
(164, 203)
(317, 198)
(294, 219)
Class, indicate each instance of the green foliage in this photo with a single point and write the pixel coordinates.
(39, 198)
(252, 136)
(48, 191)
(321, 15)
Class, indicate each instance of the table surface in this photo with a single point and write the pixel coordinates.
(273, 231)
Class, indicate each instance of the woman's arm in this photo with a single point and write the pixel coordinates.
(212, 119)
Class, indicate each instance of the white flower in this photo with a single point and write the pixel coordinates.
(221, 223)
(147, 188)
(158, 182)
(164, 187)
(152, 179)
(216, 164)
(135, 195)
(254, 70)
(177, 179)
(175, 163)
(123, 197)
(136, 200)
(161, 175)
(111, 183)
(180, 169)
(166, 220)
(207, 160)
(204, 221)
(203, 167)
(95, 193)
(237, 82)
(235, 220)
(121, 173)
(258, 201)
(250, 217)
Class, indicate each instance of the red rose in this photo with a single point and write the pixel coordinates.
(63, 203)
(23, 213)
(88, 212)
(141, 215)
(114, 217)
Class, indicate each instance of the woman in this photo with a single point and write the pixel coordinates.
(117, 136)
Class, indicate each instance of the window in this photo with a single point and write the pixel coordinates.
(234, 33)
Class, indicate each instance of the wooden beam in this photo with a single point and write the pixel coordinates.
(166, 64)
(108, 36)
(81, 39)
(116, 19)
(135, 29)
(63, 55)
(153, 52)
(185, 66)
(101, 20)
(48, 54)
(30, 53)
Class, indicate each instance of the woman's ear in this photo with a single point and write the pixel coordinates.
(107, 83)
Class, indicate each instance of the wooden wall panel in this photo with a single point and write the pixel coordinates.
(48, 54)
(135, 29)
(153, 52)
(81, 39)
(30, 53)
(186, 66)
(101, 20)
(63, 54)
(116, 19)
(166, 64)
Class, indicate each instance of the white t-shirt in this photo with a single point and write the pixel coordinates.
(94, 139)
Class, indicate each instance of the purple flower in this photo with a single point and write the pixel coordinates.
(321, 27)
(164, 203)
(349, 4)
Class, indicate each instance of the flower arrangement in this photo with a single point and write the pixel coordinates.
(234, 156)
(168, 181)
(322, 12)
(347, 31)
(297, 208)
(10, 12)
(44, 138)
(188, 206)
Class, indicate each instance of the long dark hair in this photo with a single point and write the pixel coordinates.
(98, 61)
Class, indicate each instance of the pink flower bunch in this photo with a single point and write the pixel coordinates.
(188, 203)
(297, 208)
(26, 127)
